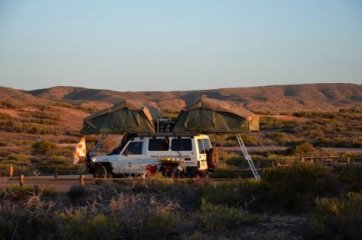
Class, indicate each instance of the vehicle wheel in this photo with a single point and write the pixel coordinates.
(101, 171)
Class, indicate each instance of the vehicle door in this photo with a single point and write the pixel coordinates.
(131, 157)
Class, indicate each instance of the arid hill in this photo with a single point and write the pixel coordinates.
(324, 115)
(275, 99)
(25, 119)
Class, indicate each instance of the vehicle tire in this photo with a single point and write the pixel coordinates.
(212, 158)
(101, 171)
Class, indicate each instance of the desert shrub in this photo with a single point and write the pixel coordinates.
(44, 117)
(245, 194)
(65, 152)
(104, 213)
(45, 167)
(5, 116)
(279, 159)
(248, 139)
(294, 188)
(238, 161)
(338, 218)
(274, 123)
(18, 225)
(8, 103)
(59, 160)
(162, 226)
(161, 183)
(80, 225)
(305, 150)
(270, 160)
(43, 107)
(63, 104)
(49, 192)
(18, 168)
(43, 148)
(219, 218)
(351, 176)
(68, 140)
(77, 195)
(281, 138)
(27, 127)
(236, 174)
(18, 158)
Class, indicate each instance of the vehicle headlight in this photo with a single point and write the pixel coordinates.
(93, 159)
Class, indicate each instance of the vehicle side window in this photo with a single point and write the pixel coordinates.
(158, 145)
(181, 145)
(204, 145)
(134, 148)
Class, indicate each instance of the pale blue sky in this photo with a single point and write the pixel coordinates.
(178, 45)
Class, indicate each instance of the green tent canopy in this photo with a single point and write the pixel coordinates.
(129, 116)
(213, 116)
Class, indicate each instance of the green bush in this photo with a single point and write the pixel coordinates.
(338, 218)
(246, 194)
(269, 160)
(43, 148)
(351, 176)
(79, 225)
(305, 150)
(19, 226)
(219, 218)
(294, 188)
(18, 169)
(162, 226)
(18, 158)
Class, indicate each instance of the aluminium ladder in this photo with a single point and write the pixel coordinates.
(247, 157)
(98, 144)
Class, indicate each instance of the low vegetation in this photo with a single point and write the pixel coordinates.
(322, 129)
(319, 205)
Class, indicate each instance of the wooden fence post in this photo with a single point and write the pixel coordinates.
(81, 179)
(10, 171)
(21, 180)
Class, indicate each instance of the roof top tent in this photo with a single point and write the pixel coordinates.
(127, 117)
(213, 116)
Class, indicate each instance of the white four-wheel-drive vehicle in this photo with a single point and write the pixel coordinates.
(172, 155)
